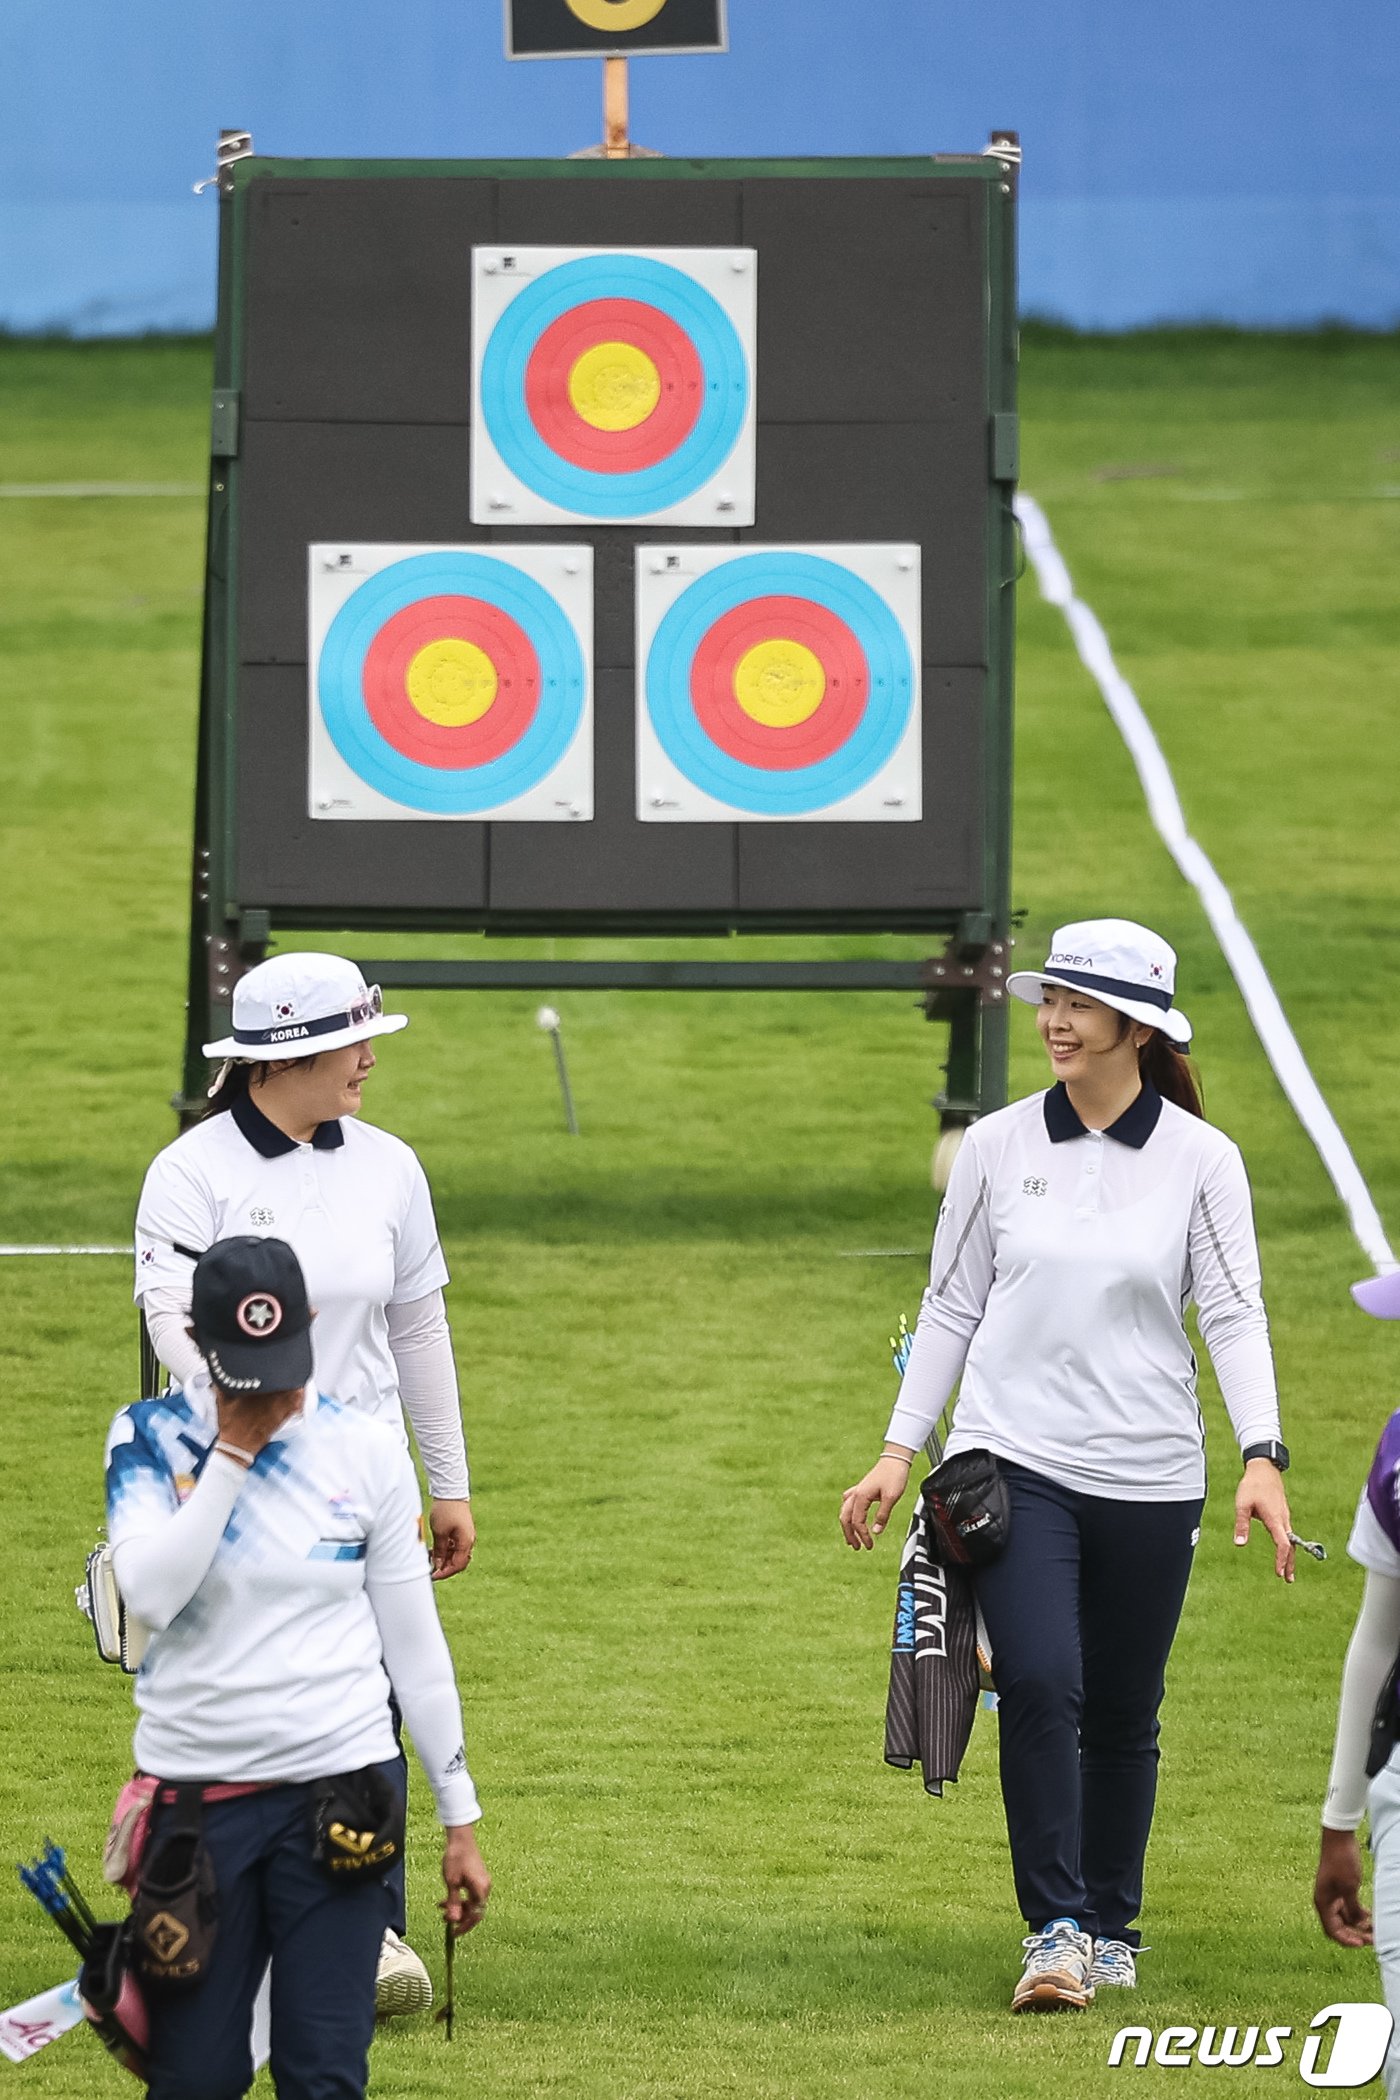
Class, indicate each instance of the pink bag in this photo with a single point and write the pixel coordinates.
(131, 1822)
(130, 1828)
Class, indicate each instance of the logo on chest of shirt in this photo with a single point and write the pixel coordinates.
(262, 1216)
(1035, 1185)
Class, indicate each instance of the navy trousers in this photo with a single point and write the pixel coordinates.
(274, 1901)
(1081, 1609)
(397, 1876)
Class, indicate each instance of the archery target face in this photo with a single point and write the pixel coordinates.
(613, 385)
(447, 683)
(778, 684)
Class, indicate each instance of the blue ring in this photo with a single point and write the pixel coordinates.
(693, 751)
(696, 460)
(442, 791)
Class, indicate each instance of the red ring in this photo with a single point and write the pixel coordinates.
(834, 719)
(384, 682)
(564, 342)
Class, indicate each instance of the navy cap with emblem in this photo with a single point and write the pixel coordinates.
(251, 1316)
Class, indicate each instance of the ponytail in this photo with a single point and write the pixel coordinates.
(231, 1083)
(1171, 1072)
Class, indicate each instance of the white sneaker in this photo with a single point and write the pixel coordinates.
(403, 1985)
(1115, 1965)
(1056, 1972)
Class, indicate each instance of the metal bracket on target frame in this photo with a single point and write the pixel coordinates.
(230, 957)
(948, 979)
(233, 145)
(966, 987)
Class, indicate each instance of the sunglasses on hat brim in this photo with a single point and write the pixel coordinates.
(367, 1008)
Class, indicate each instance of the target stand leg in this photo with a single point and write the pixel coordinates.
(966, 987)
(217, 961)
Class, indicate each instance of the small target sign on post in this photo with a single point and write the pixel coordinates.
(612, 28)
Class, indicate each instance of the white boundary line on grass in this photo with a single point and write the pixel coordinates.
(1281, 1046)
(43, 491)
(64, 1250)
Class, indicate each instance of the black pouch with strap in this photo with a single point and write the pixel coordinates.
(357, 1826)
(967, 1510)
(174, 1914)
(1385, 1723)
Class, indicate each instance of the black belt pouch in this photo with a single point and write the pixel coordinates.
(174, 1917)
(357, 1826)
(967, 1510)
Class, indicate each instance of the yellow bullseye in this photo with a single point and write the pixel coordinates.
(615, 15)
(452, 682)
(779, 683)
(614, 386)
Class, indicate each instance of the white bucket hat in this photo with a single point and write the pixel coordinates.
(1120, 964)
(299, 1005)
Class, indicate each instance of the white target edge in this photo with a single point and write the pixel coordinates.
(336, 792)
(894, 795)
(499, 497)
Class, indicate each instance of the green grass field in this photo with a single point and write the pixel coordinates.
(707, 1882)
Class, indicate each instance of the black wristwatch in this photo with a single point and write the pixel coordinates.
(1277, 1454)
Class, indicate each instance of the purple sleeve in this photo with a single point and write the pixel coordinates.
(1381, 1482)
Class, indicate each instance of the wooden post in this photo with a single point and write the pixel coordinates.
(616, 145)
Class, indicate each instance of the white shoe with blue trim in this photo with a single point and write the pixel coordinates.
(1114, 1966)
(1055, 1977)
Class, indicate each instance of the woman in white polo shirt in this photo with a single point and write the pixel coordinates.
(272, 1542)
(281, 1152)
(1077, 1227)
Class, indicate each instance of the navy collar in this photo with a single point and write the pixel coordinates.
(264, 1136)
(1134, 1127)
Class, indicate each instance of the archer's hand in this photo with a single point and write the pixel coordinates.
(467, 1881)
(1260, 1494)
(1337, 1890)
(454, 1536)
(250, 1421)
(883, 1484)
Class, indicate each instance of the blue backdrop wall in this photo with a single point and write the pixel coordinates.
(1224, 160)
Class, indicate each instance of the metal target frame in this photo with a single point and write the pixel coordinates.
(252, 687)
